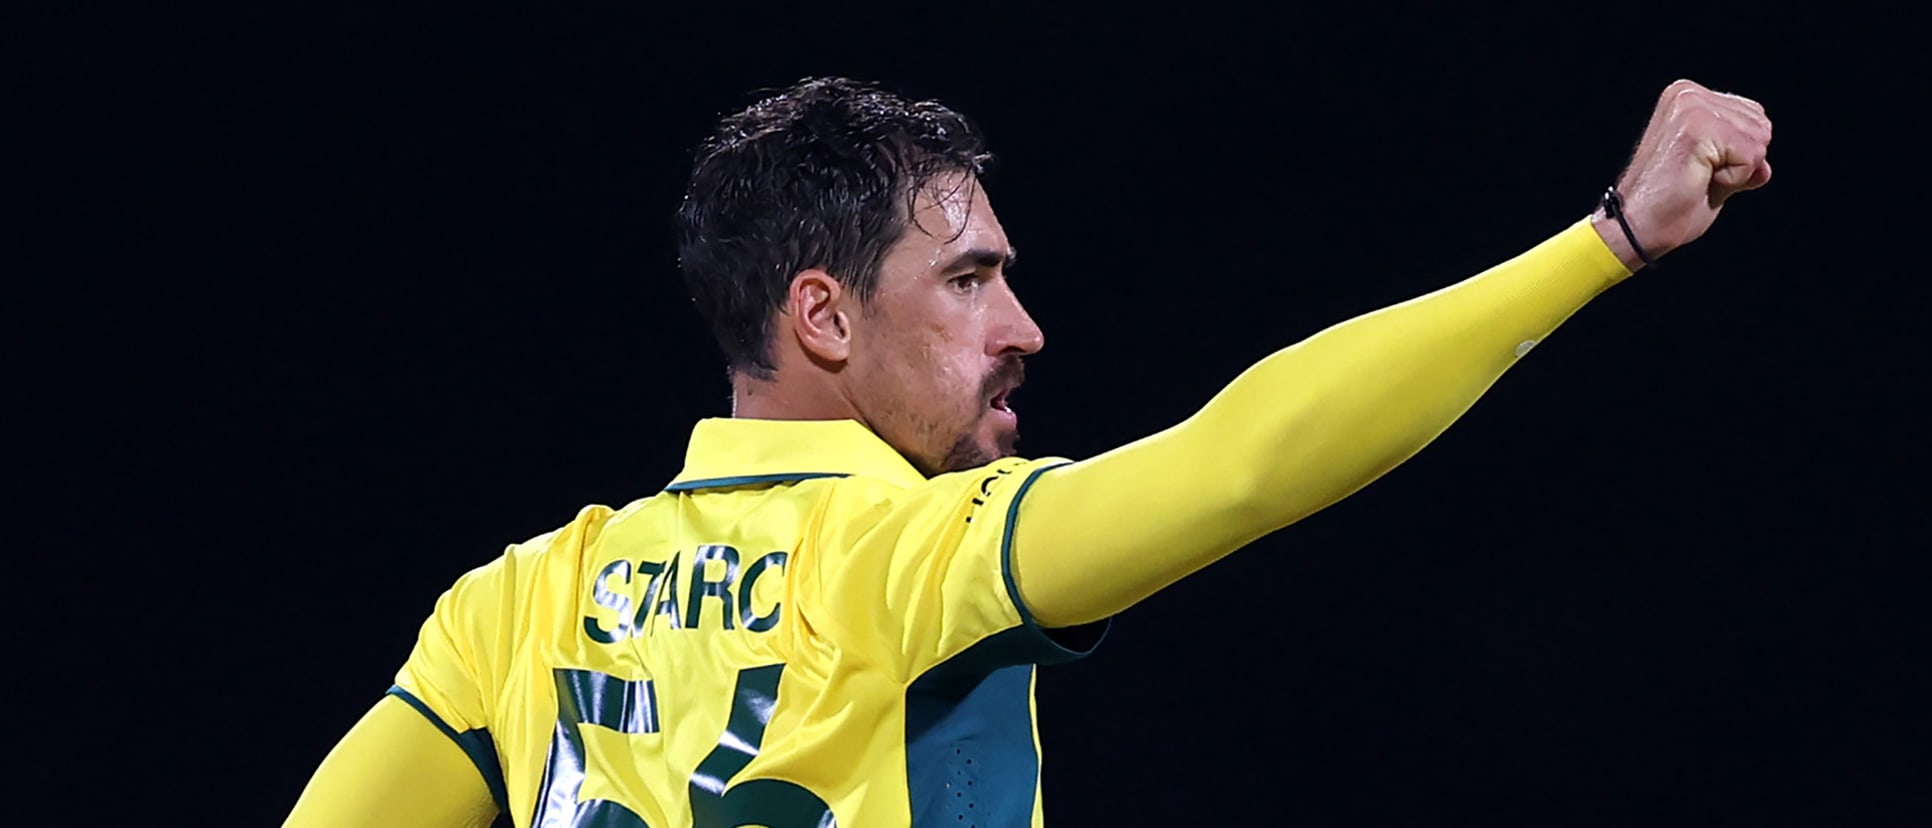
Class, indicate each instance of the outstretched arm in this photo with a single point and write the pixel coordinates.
(395, 768)
(1315, 422)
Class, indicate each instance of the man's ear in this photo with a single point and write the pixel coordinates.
(819, 316)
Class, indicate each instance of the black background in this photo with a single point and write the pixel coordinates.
(315, 308)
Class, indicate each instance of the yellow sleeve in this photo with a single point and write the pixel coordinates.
(1301, 429)
(453, 672)
(920, 577)
(394, 768)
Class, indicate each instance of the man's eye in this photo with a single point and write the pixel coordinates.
(964, 283)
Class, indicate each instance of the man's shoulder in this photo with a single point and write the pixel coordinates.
(566, 543)
(585, 527)
(858, 501)
(967, 478)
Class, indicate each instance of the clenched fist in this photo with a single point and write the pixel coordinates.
(1701, 148)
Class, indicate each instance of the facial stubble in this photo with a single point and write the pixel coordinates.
(966, 451)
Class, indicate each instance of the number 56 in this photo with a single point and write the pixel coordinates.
(587, 697)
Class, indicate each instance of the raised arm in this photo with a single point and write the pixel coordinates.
(1317, 421)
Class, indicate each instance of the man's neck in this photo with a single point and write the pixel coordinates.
(777, 399)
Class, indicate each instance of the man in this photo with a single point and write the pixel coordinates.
(833, 614)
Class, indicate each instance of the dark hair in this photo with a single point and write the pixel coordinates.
(820, 175)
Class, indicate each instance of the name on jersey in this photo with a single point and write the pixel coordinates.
(714, 590)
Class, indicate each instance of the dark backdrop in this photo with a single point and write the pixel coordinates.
(315, 309)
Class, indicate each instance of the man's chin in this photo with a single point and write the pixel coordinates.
(1006, 442)
(978, 449)
(998, 436)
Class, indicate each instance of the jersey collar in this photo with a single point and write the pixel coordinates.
(739, 452)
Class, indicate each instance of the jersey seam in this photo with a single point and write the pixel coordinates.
(747, 480)
(1027, 620)
(476, 744)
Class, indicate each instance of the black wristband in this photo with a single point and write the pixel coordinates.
(1613, 207)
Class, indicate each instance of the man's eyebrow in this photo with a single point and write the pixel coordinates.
(981, 257)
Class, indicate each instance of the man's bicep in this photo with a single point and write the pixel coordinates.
(1092, 538)
(451, 672)
(395, 767)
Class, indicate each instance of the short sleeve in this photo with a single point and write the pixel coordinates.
(921, 577)
(452, 673)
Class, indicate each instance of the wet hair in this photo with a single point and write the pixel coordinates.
(821, 175)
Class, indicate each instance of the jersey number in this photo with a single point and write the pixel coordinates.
(587, 697)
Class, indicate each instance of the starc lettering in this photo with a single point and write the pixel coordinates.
(646, 595)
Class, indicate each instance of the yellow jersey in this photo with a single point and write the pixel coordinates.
(801, 630)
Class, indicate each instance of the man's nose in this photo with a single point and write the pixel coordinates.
(1016, 332)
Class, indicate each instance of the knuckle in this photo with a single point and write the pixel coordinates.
(1746, 106)
(1687, 99)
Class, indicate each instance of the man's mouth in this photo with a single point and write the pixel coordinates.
(1002, 382)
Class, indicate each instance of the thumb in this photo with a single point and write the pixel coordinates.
(1733, 176)
(1734, 170)
(1730, 180)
